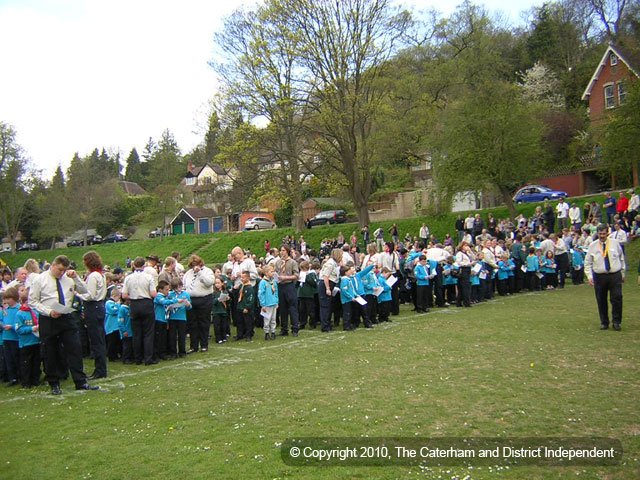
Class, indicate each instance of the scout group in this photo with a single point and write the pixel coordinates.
(52, 316)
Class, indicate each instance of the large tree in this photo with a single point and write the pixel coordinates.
(15, 183)
(53, 208)
(489, 140)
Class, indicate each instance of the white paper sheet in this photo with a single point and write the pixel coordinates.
(477, 268)
(391, 281)
(223, 297)
(360, 300)
(335, 291)
(64, 309)
(377, 291)
(523, 268)
(302, 277)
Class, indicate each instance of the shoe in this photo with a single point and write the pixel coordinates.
(368, 326)
(95, 376)
(295, 334)
(273, 335)
(249, 339)
(138, 363)
(604, 327)
(86, 386)
(55, 390)
(12, 383)
(173, 357)
(616, 327)
(284, 334)
(162, 357)
(267, 336)
(128, 362)
(205, 349)
(152, 362)
(183, 355)
(237, 338)
(191, 350)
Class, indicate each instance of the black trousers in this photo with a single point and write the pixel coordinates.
(395, 295)
(371, 308)
(12, 359)
(30, 365)
(307, 311)
(199, 317)
(464, 287)
(143, 322)
(177, 335)
(245, 324)
(220, 321)
(346, 316)
(519, 274)
(94, 319)
(160, 331)
(288, 307)
(562, 261)
(422, 302)
(114, 346)
(383, 311)
(438, 287)
(56, 332)
(609, 285)
(127, 350)
(325, 303)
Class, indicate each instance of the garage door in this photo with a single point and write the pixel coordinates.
(189, 227)
(203, 225)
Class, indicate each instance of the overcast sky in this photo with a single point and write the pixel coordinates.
(81, 74)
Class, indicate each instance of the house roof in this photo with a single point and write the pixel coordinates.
(197, 170)
(626, 56)
(195, 213)
(132, 188)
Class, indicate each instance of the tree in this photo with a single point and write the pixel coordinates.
(490, 139)
(16, 179)
(621, 139)
(133, 171)
(53, 210)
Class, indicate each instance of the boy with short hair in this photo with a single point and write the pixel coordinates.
(347, 295)
(422, 274)
(384, 299)
(10, 339)
(178, 320)
(126, 333)
(111, 325)
(161, 304)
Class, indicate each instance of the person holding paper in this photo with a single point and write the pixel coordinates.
(422, 282)
(347, 295)
(360, 308)
(384, 299)
(54, 288)
(178, 319)
(268, 298)
(329, 275)
(221, 300)
(464, 261)
(306, 295)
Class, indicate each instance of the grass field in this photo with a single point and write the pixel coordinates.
(531, 365)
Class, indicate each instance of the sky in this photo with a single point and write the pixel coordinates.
(83, 74)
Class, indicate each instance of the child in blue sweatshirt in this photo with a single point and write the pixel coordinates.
(548, 269)
(503, 274)
(10, 298)
(161, 304)
(178, 320)
(422, 274)
(126, 333)
(357, 310)
(268, 298)
(111, 325)
(577, 272)
(384, 299)
(29, 342)
(533, 267)
(347, 295)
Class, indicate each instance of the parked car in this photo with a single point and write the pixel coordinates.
(537, 193)
(28, 246)
(94, 239)
(328, 217)
(75, 243)
(156, 233)
(259, 223)
(114, 238)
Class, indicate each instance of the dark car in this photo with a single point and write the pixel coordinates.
(75, 243)
(328, 217)
(537, 193)
(114, 238)
(94, 239)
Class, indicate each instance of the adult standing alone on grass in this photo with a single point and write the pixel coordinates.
(198, 282)
(54, 288)
(605, 268)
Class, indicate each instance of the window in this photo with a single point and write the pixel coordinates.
(609, 100)
(190, 181)
(622, 93)
(613, 58)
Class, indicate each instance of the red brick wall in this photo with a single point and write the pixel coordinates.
(596, 99)
(244, 216)
(567, 183)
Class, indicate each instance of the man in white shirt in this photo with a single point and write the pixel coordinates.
(152, 267)
(605, 268)
(575, 217)
(51, 294)
(562, 211)
(19, 279)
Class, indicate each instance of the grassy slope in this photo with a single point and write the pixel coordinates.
(217, 251)
(454, 372)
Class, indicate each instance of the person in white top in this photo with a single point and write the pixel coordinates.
(94, 311)
(575, 216)
(179, 266)
(620, 235)
(152, 267)
(198, 282)
(562, 211)
(346, 256)
(50, 294)
(19, 278)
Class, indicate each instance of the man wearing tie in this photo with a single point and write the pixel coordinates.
(605, 268)
(52, 291)
(288, 272)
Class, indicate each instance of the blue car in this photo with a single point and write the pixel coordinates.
(537, 193)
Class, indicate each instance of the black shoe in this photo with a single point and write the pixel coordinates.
(86, 386)
(95, 376)
(249, 339)
(55, 390)
(192, 350)
(183, 355)
(273, 335)
(152, 362)
(368, 326)
(616, 327)
(128, 362)
(162, 357)
(267, 336)
(12, 383)
(284, 334)
(295, 334)
(173, 357)
(604, 327)
(237, 338)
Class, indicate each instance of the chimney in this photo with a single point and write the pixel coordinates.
(190, 167)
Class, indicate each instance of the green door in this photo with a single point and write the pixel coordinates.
(177, 229)
(189, 227)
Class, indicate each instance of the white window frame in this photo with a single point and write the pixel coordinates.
(612, 96)
(190, 181)
(622, 92)
(613, 59)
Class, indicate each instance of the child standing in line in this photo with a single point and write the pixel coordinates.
(306, 293)
(29, 342)
(370, 283)
(503, 274)
(178, 320)
(220, 311)
(533, 267)
(126, 333)
(548, 269)
(268, 298)
(112, 326)
(10, 339)
(577, 273)
(347, 295)
(422, 274)
(512, 276)
(449, 281)
(245, 307)
(384, 299)
(160, 303)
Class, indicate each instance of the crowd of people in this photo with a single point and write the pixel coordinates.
(53, 316)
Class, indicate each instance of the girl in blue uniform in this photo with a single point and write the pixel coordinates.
(111, 325)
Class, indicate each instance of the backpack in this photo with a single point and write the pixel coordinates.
(408, 269)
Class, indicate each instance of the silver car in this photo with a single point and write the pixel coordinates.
(259, 223)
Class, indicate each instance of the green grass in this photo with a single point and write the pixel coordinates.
(453, 372)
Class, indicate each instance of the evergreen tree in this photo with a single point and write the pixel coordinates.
(133, 171)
